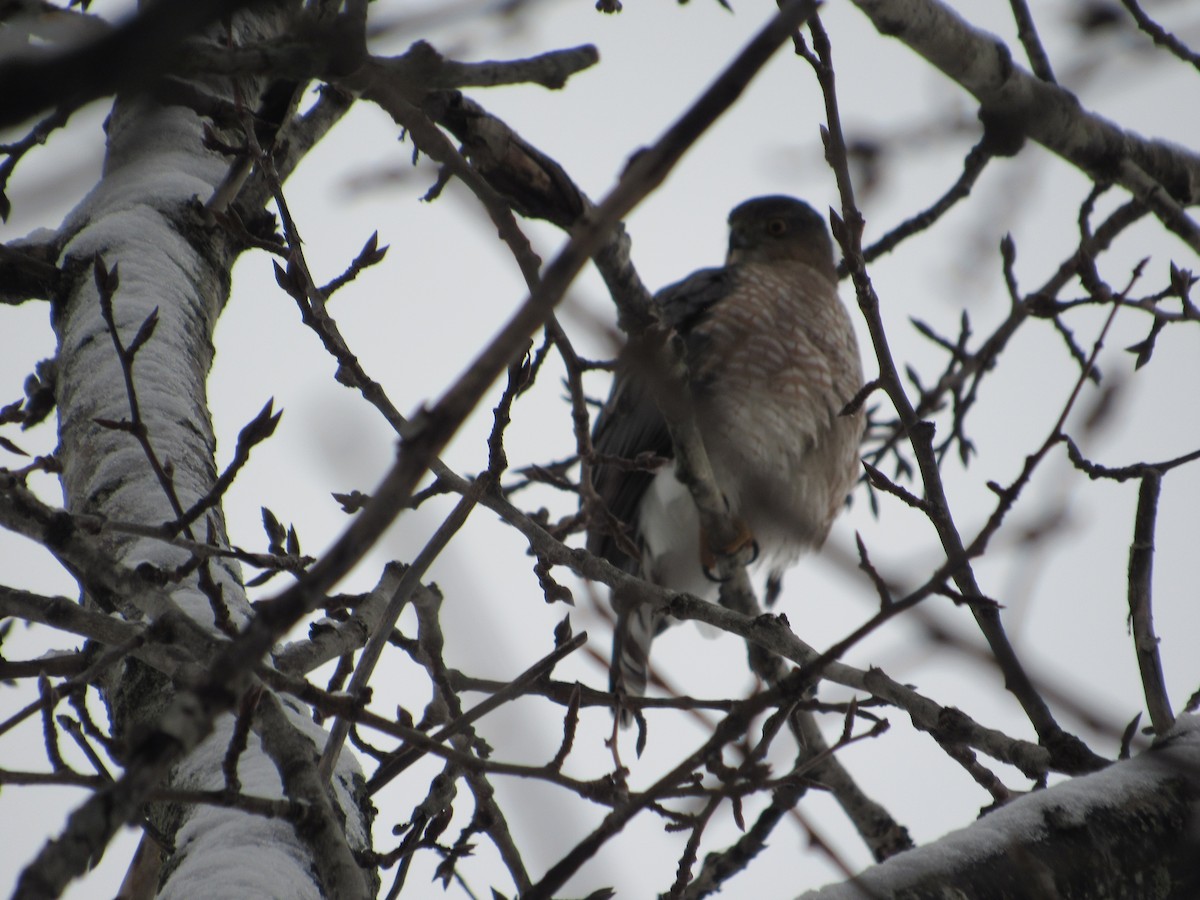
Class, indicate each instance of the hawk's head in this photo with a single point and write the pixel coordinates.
(777, 228)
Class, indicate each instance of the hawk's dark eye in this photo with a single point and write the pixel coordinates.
(776, 227)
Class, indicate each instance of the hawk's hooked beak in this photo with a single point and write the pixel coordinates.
(739, 242)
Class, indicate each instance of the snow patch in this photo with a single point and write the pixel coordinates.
(1023, 821)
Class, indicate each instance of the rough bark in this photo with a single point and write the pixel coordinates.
(145, 225)
(1124, 832)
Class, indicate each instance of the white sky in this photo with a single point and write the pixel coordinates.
(447, 284)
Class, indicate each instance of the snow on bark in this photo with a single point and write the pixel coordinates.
(1131, 830)
(247, 856)
(135, 220)
(145, 220)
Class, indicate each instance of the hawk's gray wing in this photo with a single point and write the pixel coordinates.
(630, 423)
(683, 304)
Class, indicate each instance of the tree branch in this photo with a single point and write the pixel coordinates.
(1141, 571)
(1011, 98)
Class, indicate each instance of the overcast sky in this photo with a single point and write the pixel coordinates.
(417, 320)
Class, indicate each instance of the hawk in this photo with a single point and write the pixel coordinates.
(771, 362)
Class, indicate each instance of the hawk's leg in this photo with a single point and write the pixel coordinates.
(710, 555)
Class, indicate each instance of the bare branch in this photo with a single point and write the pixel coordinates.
(1053, 117)
(1160, 35)
(1141, 571)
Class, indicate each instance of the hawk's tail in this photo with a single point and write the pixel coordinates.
(630, 668)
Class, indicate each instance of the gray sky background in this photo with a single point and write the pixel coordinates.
(447, 284)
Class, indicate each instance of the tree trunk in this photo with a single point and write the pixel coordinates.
(144, 461)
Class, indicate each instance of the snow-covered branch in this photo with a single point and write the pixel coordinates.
(1124, 832)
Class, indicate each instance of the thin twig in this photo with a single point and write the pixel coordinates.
(848, 232)
(1160, 35)
(518, 687)
(1141, 572)
(1028, 36)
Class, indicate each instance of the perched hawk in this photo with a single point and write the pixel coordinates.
(771, 360)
